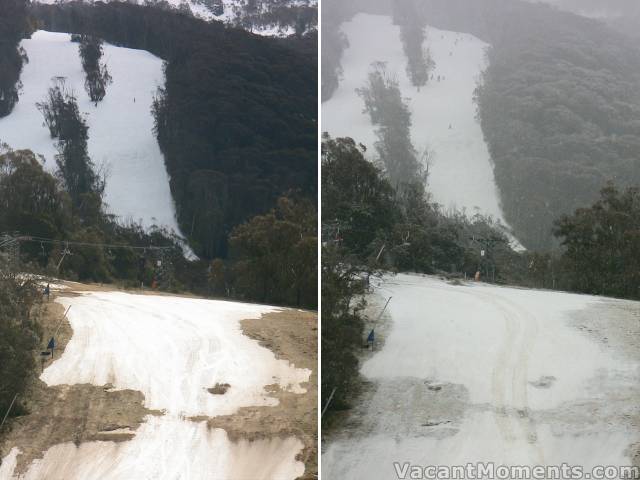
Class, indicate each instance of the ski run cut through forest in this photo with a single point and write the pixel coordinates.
(443, 111)
(122, 143)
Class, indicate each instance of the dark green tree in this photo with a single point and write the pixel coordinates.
(358, 205)
(420, 63)
(275, 255)
(602, 244)
(75, 168)
(19, 337)
(97, 75)
(31, 200)
(13, 28)
(392, 118)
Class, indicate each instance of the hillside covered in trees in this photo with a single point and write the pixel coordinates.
(236, 119)
(279, 18)
(236, 122)
(20, 335)
(13, 27)
(558, 104)
(561, 113)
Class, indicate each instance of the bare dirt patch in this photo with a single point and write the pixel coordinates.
(615, 326)
(292, 335)
(219, 389)
(73, 413)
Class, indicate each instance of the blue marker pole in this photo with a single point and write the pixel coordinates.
(51, 345)
(371, 338)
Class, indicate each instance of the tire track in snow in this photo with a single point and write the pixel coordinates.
(510, 373)
(483, 345)
(509, 379)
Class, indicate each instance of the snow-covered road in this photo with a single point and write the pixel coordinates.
(477, 373)
(172, 350)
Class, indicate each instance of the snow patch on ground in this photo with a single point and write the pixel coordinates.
(42, 281)
(172, 350)
(171, 448)
(121, 138)
(485, 347)
(461, 175)
(9, 464)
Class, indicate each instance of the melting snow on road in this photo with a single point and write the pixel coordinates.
(171, 349)
(461, 174)
(490, 374)
(121, 138)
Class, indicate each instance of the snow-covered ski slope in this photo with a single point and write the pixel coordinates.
(461, 174)
(171, 349)
(478, 373)
(121, 138)
(167, 449)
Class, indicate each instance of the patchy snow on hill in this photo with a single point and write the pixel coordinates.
(172, 350)
(163, 449)
(236, 12)
(260, 17)
(443, 112)
(121, 138)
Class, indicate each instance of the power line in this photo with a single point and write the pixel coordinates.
(11, 245)
(164, 265)
(7, 241)
(70, 243)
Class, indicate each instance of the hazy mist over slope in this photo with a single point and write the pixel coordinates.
(557, 102)
(622, 15)
(596, 8)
